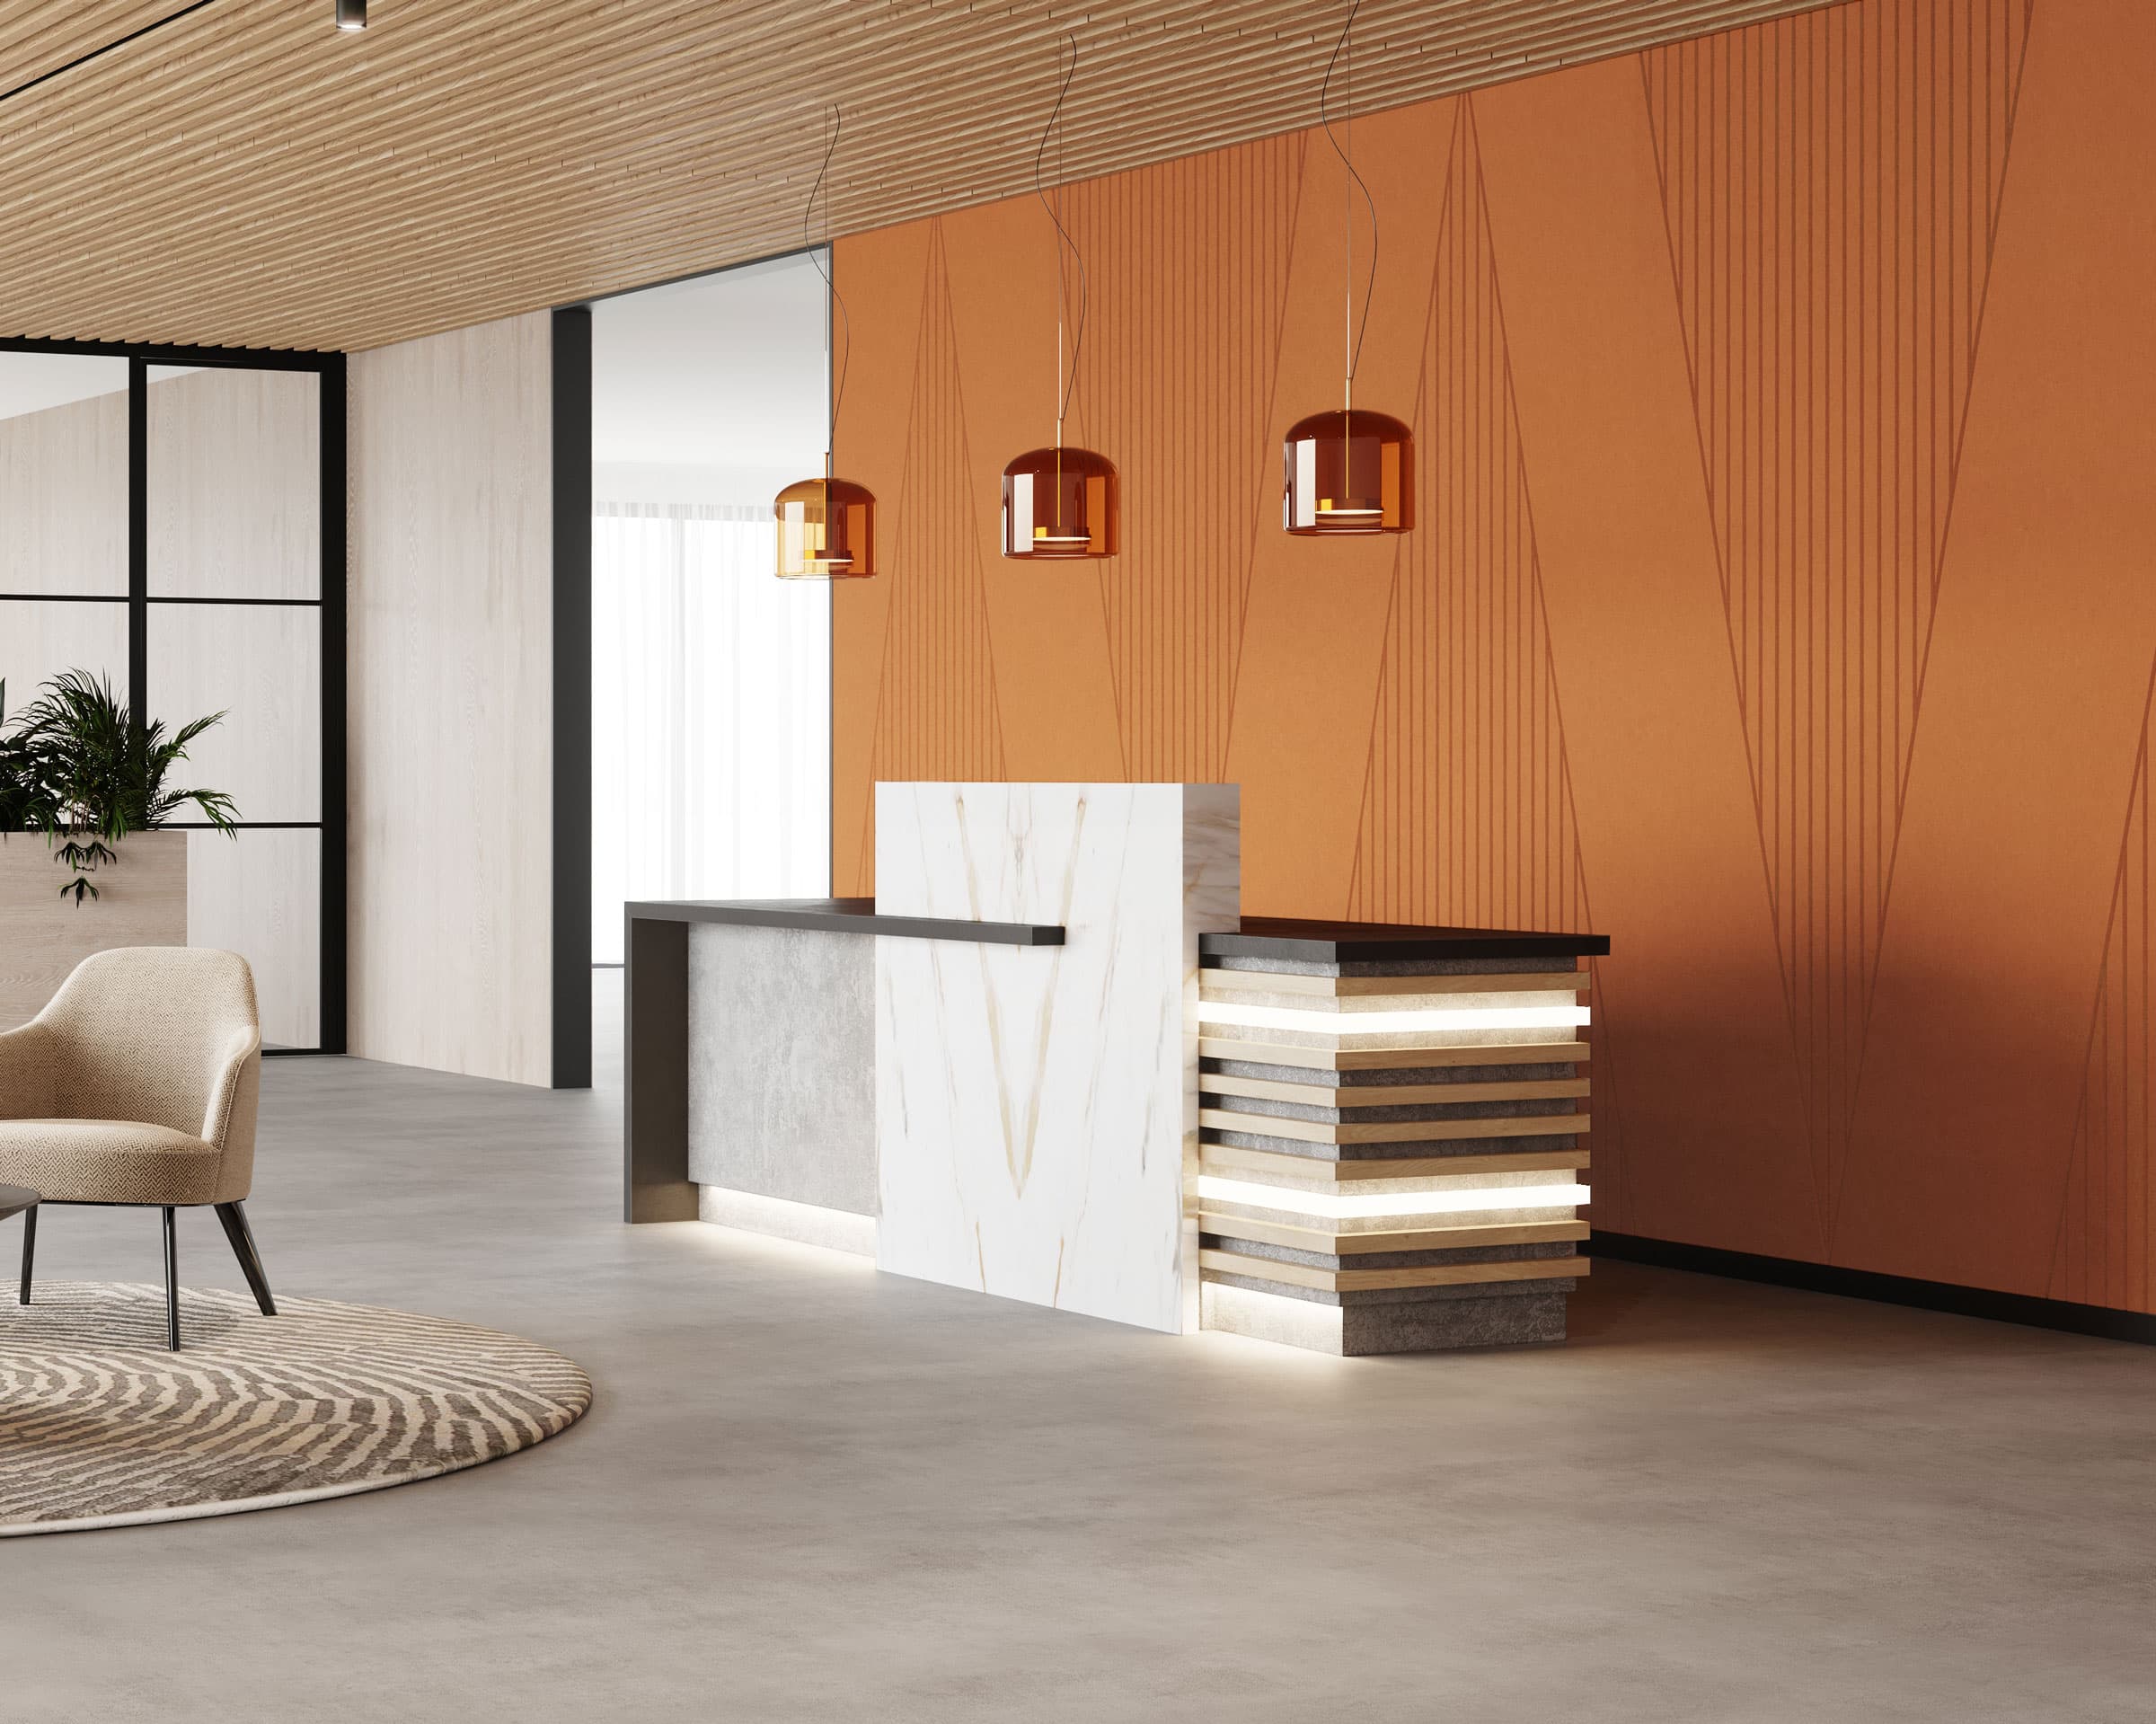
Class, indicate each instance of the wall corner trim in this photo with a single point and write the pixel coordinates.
(571, 930)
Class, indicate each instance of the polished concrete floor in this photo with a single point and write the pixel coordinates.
(809, 1491)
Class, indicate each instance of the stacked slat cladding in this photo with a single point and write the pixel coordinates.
(1392, 1148)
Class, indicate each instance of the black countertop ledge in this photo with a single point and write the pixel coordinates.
(844, 915)
(1257, 937)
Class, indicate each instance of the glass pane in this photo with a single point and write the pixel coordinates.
(235, 483)
(260, 894)
(262, 667)
(710, 676)
(62, 474)
(39, 639)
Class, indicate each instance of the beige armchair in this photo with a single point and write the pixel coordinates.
(137, 1084)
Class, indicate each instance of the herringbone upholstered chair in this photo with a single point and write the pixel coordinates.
(137, 1084)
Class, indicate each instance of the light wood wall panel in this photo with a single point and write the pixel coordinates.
(64, 496)
(235, 483)
(451, 703)
(142, 901)
(40, 638)
(1778, 603)
(260, 894)
(261, 667)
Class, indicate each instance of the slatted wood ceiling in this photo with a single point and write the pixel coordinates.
(249, 176)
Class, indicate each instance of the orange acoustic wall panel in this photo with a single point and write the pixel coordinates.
(1780, 601)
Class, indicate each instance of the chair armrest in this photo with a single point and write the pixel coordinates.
(229, 1113)
(28, 1072)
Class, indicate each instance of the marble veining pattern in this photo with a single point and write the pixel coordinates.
(1037, 1107)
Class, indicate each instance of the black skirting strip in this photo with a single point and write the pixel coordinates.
(1884, 1289)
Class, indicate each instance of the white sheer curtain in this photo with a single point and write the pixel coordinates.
(711, 713)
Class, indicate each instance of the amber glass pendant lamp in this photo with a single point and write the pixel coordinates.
(1350, 469)
(1060, 501)
(827, 525)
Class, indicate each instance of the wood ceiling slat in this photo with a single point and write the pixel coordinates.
(38, 39)
(462, 235)
(252, 178)
(530, 227)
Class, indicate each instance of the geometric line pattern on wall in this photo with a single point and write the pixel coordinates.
(1188, 268)
(936, 717)
(1831, 186)
(2108, 1212)
(1467, 816)
(1789, 342)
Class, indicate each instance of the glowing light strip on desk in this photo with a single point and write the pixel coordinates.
(1495, 1017)
(1403, 1203)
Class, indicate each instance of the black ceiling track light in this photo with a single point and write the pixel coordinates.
(351, 15)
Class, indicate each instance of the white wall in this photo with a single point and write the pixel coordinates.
(710, 676)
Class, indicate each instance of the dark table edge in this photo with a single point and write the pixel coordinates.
(841, 915)
(1403, 946)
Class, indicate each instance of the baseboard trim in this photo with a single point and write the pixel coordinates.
(2065, 1314)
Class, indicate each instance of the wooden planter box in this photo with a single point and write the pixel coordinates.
(142, 902)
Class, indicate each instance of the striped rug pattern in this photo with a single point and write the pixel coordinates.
(100, 1426)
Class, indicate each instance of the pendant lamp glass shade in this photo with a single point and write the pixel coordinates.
(827, 531)
(826, 527)
(1059, 502)
(1349, 471)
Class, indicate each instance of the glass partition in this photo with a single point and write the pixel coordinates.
(235, 580)
(193, 581)
(63, 500)
(64, 477)
(710, 676)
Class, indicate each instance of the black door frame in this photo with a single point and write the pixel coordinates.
(330, 367)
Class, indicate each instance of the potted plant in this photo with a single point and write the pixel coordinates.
(21, 784)
(75, 766)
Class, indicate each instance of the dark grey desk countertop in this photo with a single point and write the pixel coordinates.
(1389, 942)
(843, 915)
(1274, 937)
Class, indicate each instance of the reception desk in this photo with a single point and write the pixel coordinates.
(1053, 1062)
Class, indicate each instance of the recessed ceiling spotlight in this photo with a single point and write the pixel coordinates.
(351, 15)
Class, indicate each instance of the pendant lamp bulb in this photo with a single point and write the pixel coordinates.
(1348, 471)
(1061, 501)
(826, 527)
(351, 15)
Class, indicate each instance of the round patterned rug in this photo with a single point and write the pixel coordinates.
(100, 1426)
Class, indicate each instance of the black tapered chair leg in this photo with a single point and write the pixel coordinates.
(30, 1252)
(171, 1281)
(242, 1236)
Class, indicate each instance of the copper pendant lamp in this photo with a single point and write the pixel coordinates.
(826, 527)
(1060, 501)
(1350, 469)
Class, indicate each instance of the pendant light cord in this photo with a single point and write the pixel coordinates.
(845, 323)
(1355, 331)
(1064, 382)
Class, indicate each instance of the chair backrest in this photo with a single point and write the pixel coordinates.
(144, 1032)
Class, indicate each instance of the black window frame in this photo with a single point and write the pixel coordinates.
(330, 601)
